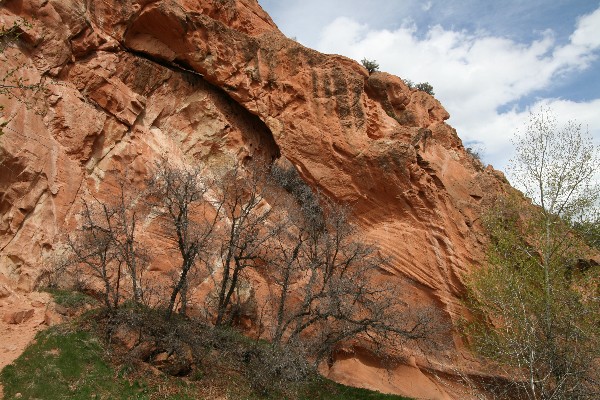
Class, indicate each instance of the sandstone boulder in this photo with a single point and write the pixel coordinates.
(18, 317)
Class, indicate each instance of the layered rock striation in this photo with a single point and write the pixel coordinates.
(127, 83)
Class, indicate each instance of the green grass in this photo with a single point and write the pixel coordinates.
(70, 298)
(63, 365)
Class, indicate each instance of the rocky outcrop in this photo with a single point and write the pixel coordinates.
(22, 315)
(130, 82)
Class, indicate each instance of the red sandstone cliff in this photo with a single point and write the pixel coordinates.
(208, 81)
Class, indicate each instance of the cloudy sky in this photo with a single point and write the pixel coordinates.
(490, 62)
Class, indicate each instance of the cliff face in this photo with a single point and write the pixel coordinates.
(128, 82)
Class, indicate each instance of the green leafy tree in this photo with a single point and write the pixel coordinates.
(537, 302)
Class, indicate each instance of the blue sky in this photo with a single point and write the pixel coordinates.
(490, 62)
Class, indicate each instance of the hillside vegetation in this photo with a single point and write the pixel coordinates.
(88, 359)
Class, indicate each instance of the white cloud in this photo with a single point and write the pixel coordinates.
(583, 43)
(502, 127)
(305, 19)
(475, 74)
(587, 33)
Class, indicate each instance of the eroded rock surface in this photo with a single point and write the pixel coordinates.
(127, 83)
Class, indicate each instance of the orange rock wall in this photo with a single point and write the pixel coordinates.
(207, 81)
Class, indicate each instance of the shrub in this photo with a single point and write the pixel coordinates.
(370, 65)
(271, 369)
(473, 153)
(290, 180)
(425, 87)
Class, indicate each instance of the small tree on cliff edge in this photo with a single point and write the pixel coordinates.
(370, 65)
(538, 298)
(425, 87)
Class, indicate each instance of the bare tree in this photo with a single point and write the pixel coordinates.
(131, 252)
(244, 234)
(105, 246)
(326, 280)
(92, 250)
(179, 193)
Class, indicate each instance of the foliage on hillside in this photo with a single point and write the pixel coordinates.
(536, 301)
(86, 360)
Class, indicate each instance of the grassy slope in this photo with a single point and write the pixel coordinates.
(66, 364)
(70, 363)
